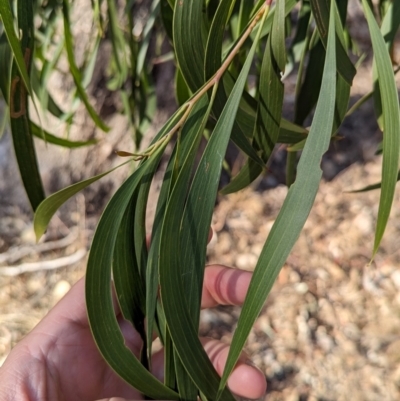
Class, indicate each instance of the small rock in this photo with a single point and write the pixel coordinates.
(396, 278)
(34, 285)
(28, 235)
(246, 261)
(301, 288)
(60, 289)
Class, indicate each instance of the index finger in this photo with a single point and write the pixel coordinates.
(224, 286)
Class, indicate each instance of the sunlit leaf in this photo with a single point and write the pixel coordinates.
(391, 124)
(295, 209)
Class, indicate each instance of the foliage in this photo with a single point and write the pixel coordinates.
(232, 58)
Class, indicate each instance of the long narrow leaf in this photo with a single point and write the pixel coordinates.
(19, 111)
(188, 41)
(295, 209)
(8, 24)
(55, 140)
(181, 298)
(345, 67)
(75, 71)
(391, 124)
(51, 204)
(104, 325)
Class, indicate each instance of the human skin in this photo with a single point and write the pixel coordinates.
(59, 361)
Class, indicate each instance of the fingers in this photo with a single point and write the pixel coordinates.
(245, 381)
(224, 286)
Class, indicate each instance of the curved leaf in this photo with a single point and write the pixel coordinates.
(55, 140)
(188, 41)
(51, 204)
(101, 315)
(75, 71)
(181, 287)
(295, 209)
(8, 23)
(19, 110)
(391, 124)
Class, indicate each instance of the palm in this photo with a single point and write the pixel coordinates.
(85, 374)
(59, 360)
(62, 348)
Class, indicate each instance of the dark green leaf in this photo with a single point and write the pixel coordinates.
(391, 124)
(181, 298)
(345, 67)
(19, 53)
(19, 111)
(75, 71)
(188, 41)
(55, 140)
(102, 319)
(51, 204)
(5, 67)
(295, 209)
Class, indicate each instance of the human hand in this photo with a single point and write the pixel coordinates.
(59, 360)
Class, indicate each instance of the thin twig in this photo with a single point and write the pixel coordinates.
(43, 265)
(14, 254)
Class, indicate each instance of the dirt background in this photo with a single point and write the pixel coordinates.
(330, 329)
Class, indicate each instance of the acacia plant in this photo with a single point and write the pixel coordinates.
(232, 58)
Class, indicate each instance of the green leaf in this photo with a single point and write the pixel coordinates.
(271, 89)
(188, 143)
(345, 67)
(181, 277)
(55, 140)
(101, 315)
(289, 133)
(244, 16)
(19, 111)
(167, 17)
(119, 56)
(18, 53)
(147, 31)
(300, 41)
(213, 59)
(129, 263)
(289, 6)
(270, 101)
(295, 209)
(182, 92)
(152, 282)
(51, 204)
(371, 187)
(390, 26)
(188, 41)
(5, 67)
(75, 71)
(307, 95)
(391, 124)
(3, 120)
(129, 285)
(46, 100)
(152, 286)
(213, 52)
(247, 174)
